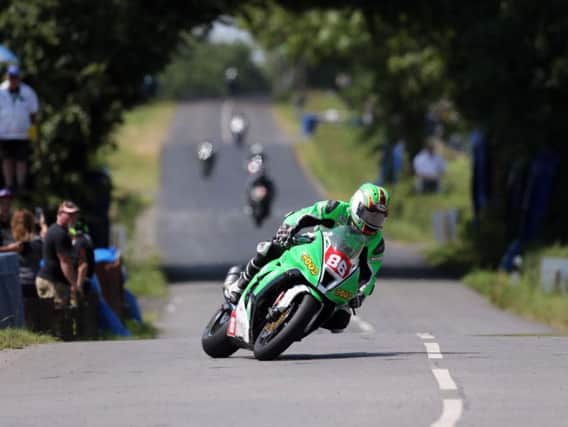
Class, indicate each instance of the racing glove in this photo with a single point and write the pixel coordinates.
(284, 236)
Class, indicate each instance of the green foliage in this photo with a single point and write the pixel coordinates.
(522, 296)
(197, 69)
(503, 64)
(20, 338)
(389, 60)
(334, 147)
(145, 279)
(340, 159)
(87, 61)
(142, 330)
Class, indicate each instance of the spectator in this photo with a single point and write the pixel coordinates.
(17, 122)
(429, 168)
(83, 255)
(40, 223)
(58, 279)
(30, 250)
(398, 155)
(6, 239)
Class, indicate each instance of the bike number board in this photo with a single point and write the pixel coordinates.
(232, 328)
(337, 262)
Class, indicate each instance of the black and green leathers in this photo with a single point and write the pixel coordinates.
(331, 213)
(328, 213)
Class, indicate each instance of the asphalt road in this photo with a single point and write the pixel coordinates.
(424, 350)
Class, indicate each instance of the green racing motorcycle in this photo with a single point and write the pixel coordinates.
(290, 297)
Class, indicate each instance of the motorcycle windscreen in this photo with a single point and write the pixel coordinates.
(340, 280)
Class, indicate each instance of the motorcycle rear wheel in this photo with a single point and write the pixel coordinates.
(278, 335)
(214, 339)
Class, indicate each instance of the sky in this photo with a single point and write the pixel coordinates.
(222, 33)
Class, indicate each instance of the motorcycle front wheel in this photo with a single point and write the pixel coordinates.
(279, 334)
(214, 340)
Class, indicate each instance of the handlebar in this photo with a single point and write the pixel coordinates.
(303, 238)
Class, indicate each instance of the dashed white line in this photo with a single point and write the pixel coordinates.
(445, 381)
(425, 336)
(451, 413)
(452, 408)
(433, 350)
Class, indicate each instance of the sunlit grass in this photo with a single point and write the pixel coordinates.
(135, 168)
(522, 296)
(135, 162)
(146, 278)
(340, 160)
(19, 338)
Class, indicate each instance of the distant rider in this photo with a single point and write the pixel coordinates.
(365, 212)
(258, 176)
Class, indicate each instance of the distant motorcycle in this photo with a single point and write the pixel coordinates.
(207, 157)
(260, 191)
(238, 127)
(259, 202)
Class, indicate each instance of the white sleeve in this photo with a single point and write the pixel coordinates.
(416, 163)
(33, 103)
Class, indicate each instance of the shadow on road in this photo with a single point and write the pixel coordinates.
(216, 272)
(193, 273)
(415, 272)
(352, 355)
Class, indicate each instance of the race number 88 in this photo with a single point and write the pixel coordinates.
(338, 264)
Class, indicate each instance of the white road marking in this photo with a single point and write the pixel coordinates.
(226, 112)
(425, 336)
(452, 408)
(445, 381)
(433, 350)
(365, 326)
(177, 300)
(451, 413)
(171, 308)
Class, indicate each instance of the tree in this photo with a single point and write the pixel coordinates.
(407, 69)
(198, 68)
(87, 61)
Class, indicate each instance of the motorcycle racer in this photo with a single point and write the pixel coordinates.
(365, 212)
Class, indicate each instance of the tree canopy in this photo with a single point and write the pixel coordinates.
(87, 60)
(504, 64)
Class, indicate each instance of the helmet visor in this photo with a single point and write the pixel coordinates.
(373, 219)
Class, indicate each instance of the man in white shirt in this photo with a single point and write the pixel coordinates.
(19, 109)
(429, 168)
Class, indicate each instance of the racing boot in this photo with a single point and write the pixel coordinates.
(236, 284)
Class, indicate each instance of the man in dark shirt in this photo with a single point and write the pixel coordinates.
(83, 255)
(58, 278)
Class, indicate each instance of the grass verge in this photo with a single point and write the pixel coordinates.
(521, 296)
(19, 338)
(340, 160)
(135, 168)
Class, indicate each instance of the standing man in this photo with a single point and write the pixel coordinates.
(18, 122)
(429, 168)
(58, 278)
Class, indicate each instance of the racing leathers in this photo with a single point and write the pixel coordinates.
(329, 213)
